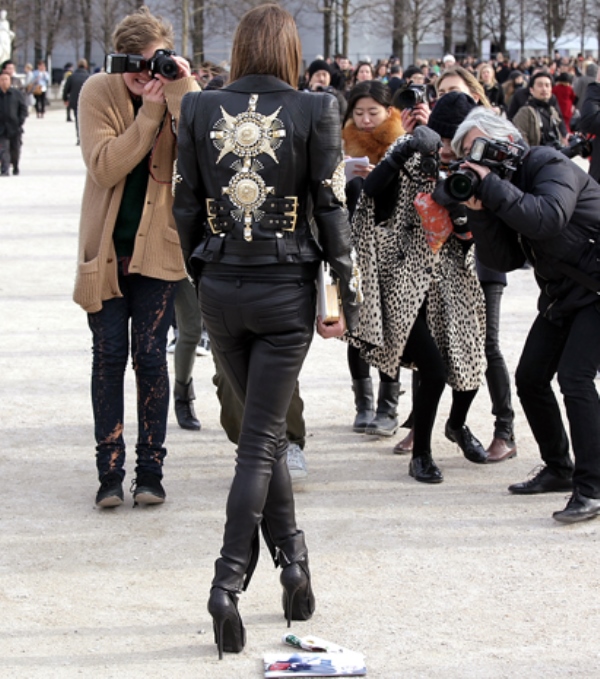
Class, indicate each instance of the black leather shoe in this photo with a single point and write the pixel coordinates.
(544, 481)
(422, 468)
(579, 508)
(470, 446)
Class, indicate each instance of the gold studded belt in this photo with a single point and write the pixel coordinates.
(277, 213)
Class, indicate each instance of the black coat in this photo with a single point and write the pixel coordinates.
(589, 123)
(73, 85)
(549, 212)
(292, 154)
(13, 111)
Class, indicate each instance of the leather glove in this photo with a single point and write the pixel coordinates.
(456, 210)
(424, 141)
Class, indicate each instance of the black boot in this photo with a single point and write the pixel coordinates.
(184, 408)
(385, 422)
(298, 598)
(363, 400)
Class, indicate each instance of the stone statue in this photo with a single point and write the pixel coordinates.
(6, 37)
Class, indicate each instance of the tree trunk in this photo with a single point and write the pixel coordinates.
(398, 25)
(469, 28)
(86, 19)
(448, 25)
(503, 25)
(198, 32)
(327, 10)
(37, 32)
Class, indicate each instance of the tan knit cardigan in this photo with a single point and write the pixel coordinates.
(113, 142)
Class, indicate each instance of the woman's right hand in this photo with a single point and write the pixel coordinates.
(328, 330)
(413, 117)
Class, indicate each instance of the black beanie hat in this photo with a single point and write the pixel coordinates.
(318, 65)
(449, 112)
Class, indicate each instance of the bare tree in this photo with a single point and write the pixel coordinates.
(423, 16)
(399, 24)
(553, 15)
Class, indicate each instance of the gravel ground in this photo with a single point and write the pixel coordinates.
(457, 580)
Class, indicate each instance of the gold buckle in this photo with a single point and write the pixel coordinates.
(212, 215)
(292, 213)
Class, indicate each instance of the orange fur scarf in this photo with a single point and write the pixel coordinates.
(372, 144)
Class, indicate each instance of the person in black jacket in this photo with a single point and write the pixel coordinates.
(589, 123)
(259, 162)
(547, 212)
(72, 88)
(13, 112)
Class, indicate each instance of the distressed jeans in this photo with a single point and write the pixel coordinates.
(147, 304)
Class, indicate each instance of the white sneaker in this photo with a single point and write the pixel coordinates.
(203, 348)
(171, 346)
(296, 462)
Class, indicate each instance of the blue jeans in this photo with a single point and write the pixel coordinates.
(572, 352)
(148, 302)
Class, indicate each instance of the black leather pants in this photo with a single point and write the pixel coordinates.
(260, 327)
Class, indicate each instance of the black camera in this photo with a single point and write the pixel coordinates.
(410, 97)
(579, 145)
(430, 166)
(160, 63)
(502, 157)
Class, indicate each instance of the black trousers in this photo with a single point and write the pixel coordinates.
(572, 352)
(496, 374)
(261, 328)
(429, 384)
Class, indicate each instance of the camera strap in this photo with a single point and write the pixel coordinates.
(579, 277)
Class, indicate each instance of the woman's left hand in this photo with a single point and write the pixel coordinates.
(328, 330)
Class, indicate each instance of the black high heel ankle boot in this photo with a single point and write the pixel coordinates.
(230, 635)
(298, 597)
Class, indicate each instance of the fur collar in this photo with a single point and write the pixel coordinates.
(372, 144)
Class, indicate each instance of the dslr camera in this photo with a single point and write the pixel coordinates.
(410, 96)
(160, 63)
(502, 157)
(579, 145)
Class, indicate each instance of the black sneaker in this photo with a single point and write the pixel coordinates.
(110, 493)
(471, 447)
(543, 480)
(147, 489)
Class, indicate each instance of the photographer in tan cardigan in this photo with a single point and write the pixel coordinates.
(129, 258)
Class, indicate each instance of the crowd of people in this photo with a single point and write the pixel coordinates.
(216, 193)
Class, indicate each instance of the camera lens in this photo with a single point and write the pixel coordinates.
(462, 184)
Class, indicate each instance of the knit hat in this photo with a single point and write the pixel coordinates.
(449, 112)
(318, 65)
(515, 74)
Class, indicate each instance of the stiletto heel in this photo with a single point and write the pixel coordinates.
(298, 597)
(230, 635)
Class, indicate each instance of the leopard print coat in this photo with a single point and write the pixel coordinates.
(399, 272)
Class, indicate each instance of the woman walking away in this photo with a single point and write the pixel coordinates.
(254, 156)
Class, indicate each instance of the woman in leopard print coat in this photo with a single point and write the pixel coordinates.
(422, 309)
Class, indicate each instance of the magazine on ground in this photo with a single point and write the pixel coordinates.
(315, 658)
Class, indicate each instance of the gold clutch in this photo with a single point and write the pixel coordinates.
(329, 306)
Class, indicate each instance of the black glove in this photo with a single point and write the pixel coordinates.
(456, 210)
(424, 141)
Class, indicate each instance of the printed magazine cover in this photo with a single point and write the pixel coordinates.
(295, 664)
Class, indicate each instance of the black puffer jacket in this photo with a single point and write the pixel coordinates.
(590, 124)
(246, 151)
(548, 213)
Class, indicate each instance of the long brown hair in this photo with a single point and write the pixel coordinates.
(266, 42)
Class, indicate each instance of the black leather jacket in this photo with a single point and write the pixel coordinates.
(257, 166)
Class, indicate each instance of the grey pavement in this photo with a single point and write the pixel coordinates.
(450, 581)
